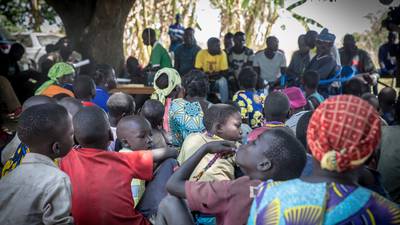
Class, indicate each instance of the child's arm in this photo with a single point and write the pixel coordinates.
(176, 184)
(160, 154)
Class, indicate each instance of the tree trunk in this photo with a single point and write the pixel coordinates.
(95, 28)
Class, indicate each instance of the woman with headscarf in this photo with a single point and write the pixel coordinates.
(343, 133)
(59, 74)
(167, 86)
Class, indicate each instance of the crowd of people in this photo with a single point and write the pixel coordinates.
(228, 136)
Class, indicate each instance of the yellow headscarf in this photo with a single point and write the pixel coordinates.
(174, 79)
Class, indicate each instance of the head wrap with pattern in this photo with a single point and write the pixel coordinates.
(56, 71)
(343, 133)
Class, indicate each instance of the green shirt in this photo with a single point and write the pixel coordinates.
(159, 57)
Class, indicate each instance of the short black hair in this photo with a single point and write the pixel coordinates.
(162, 81)
(153, 111)
(212, 40)
(37, 100)
(301, 128)
(387, 96)
(72, 105)
(42, 123)
(218, 114)
(91, 126)
(276, 106)
(196, 83)
(84, 87)
(371, 99)
(120, 103)
(311, 79)
(17, 48)
(248, 78)
(355, 87)
(101, 72)
(238, 34)
(285, 152)
(132, 65)
(60, 96)
(228, 35)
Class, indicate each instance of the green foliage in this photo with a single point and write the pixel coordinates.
(28, 14)
(371, 39)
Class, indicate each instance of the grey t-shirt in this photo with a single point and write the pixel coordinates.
(270, 69)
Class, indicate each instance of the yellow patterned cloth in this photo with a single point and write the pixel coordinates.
(251, 106)
(298, 202)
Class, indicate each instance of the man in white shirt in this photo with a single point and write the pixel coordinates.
(269, 63)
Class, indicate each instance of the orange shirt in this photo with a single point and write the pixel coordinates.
(55, 90)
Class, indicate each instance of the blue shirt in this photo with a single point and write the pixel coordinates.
(101, 98)
(185, 57)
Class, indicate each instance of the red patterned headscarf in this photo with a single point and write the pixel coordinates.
(343, 132)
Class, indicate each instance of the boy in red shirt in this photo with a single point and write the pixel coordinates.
(276, 154)
(101, 191)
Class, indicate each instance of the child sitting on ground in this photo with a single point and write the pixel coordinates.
(276, 112)
(101, 179)
(269, 157)
(222, 122)
(14, 151)
(119, 105)
(85, 89)
(311, 82)
(250, 101)
(37, 192)
(134, 132)
(153, 111)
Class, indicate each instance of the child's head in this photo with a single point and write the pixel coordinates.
(46, 129)
(153, 111)
(92, 129)
(224, 121)
(36, 100)
(276, 107)
(104, 76)
(196, 84)
(372, 100)
(132, 66)
(72, 105)
(134, 132)
(271, 154)
(387, 98)
(355, 86)
(247, 78)
(84, 88)
(311, 80)
(120, 104)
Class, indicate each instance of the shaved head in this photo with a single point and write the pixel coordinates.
(37, 100)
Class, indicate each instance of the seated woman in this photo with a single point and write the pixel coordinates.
(59, 74)
(343, 133)
(167, 87)
(186, 114)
